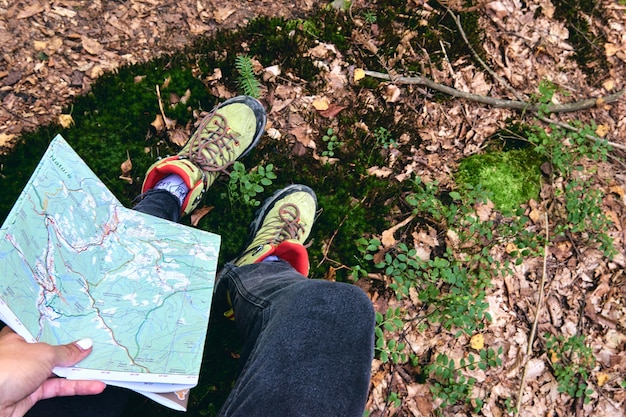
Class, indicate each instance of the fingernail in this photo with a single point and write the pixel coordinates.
(85, 344)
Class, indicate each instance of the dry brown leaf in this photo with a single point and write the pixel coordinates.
(387, 238)
(92, 46)
(126, 178)
(179, 137)
(5, 139)
(198, 214)
(392, 93)
(332, 111)
(222, 13)
(30, 11)
(158, 123)
(66, 120)
(127, 165)
(379, 172)
(611, 49)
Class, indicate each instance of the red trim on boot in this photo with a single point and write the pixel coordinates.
(163, 170)
(294, 253)
(159, 172)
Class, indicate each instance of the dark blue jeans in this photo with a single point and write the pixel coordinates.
(308, 344)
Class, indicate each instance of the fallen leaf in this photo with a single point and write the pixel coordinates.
(92, 46)
(387, 239)
(392, 93)
(127, 165)
(610, 49)
(379, 172)
(30, 11)
(608, 85)
(602, 130)
(602, 378)
(359, 74)
(270, 73)
(39, 45)
(332, 111)
(198, 214)
(5, 139)
(331, 274)
(179, 137)
(158, 123)
(477, 341)
(222, 13)
(66, 120)
(321, 103)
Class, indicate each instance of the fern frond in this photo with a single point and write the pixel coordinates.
(247, 79)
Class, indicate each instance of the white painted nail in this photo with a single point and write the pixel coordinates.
(85, 344)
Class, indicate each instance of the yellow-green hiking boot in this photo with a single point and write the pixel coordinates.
(280, 228)
(226, 134)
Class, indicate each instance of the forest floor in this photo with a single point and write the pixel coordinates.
(51, 51)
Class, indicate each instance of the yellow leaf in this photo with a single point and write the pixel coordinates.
(602, 130)
(477, 341)
(40, 45)
(321, 103)
(5, 139)
(359, 74)
(610, 49)
(66, 120)
(602, 378)
(608, 85)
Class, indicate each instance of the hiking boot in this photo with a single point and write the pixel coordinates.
(226, 134)
(280, 228)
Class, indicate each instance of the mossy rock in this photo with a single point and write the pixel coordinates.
(512, 177)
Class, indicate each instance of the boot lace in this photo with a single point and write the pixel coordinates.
(286, 226)
(213, 152)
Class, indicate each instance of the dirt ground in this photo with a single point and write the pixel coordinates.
(52, 50)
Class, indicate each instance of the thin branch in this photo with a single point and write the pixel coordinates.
(499, 102)
(533, 331)
(517, 95)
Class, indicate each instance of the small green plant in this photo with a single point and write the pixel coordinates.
(572, 363)
(370, 17)
(390, 349)
(451, 385)
(247, 80)
(543, 97)
(566, 150)
(394, 399)
(332, 143)
(384, 138)
(244, 186)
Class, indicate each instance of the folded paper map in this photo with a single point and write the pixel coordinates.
(78, 264)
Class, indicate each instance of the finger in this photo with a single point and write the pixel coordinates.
(6, 330)
(61, 387)
(72, 353)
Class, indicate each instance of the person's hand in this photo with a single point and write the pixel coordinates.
(26, 372)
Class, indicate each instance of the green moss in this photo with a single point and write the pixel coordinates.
(512, 177)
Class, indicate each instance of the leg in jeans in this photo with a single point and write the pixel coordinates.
(308, 343)
(160, 203)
